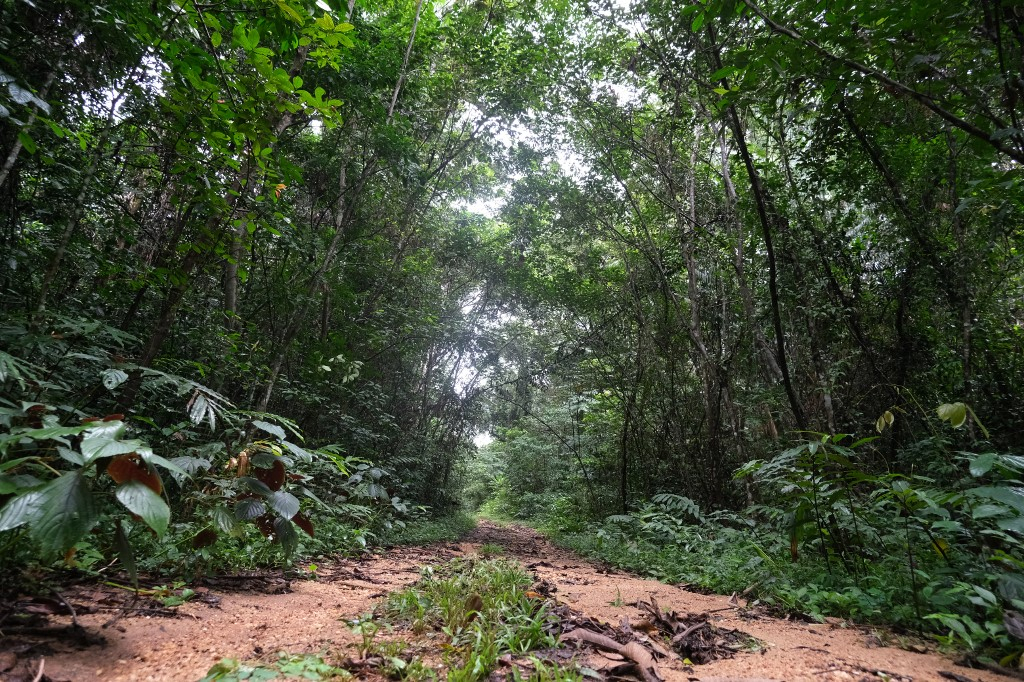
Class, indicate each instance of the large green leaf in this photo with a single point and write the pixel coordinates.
(954, 413)
(18, 483)
(272, 429)
(15, 462)
(142, 500)
(21, 510)
(249, 508)
(982, 464)
(1013, 497)
(284, 503)
(255, 485)
(104, 440)
(299, 452)
(67, 511)
(1015, 524)
(223, 519)
(57, 433)
(286, 535)
(153, 459)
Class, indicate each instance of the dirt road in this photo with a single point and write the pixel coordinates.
(244, 621)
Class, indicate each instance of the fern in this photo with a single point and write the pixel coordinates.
(678, 504)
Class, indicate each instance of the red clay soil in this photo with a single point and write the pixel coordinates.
(248, 621)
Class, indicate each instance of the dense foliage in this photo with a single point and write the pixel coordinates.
(231, 232)
(270, 265)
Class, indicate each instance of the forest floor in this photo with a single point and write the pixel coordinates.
(255, 618)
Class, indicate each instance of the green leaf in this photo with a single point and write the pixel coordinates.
(223, 519)
(985, 595)
(69, 455)
(125, 554)
(299, 452)
(255, 485)
(142, 500)
(724, 72)
(8, 485)
(216, 39)
(1013, 497)
(982, 464)
(21, 510)
(272, 429)
(51, 433)
(150, 458)
(249, 508)
(1015, 524)
(103, 439)
(67, 512)
(290, 11)
(985, 511)
(15, 462)
(27, 142)
(284, 503)
(286, 535)
(954, 413)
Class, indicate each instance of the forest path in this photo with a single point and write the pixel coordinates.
(255, 626)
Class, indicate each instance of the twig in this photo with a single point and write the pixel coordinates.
(71, 609)
(681, 637)
(122, 612)
(39, 673)
(724, 608)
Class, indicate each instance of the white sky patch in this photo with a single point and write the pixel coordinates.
(489, 208)
(482, 439)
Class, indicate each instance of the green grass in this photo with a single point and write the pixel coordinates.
(489, 549)
(288, 667)
(482, 610)
(449, 528)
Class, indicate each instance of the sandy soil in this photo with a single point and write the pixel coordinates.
(255, 625)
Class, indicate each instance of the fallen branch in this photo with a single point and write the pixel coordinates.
(632, 650)
(681, 637)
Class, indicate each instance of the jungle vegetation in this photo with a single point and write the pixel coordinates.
(734, 288)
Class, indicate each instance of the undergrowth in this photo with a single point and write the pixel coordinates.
(481, 609)
(424, 531)
(288, 666)
(901, 550)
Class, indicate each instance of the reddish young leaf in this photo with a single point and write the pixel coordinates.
(305, 524)
(265, 524)
(273, 477)
(204, 539)
(130, 468)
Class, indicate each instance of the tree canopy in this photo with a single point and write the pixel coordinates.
(271, 266)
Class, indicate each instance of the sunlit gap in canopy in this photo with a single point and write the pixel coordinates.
(471, 372)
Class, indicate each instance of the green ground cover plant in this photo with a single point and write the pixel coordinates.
(894, 550)
(481, 609)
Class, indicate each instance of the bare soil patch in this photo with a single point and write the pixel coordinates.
(702, 637)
